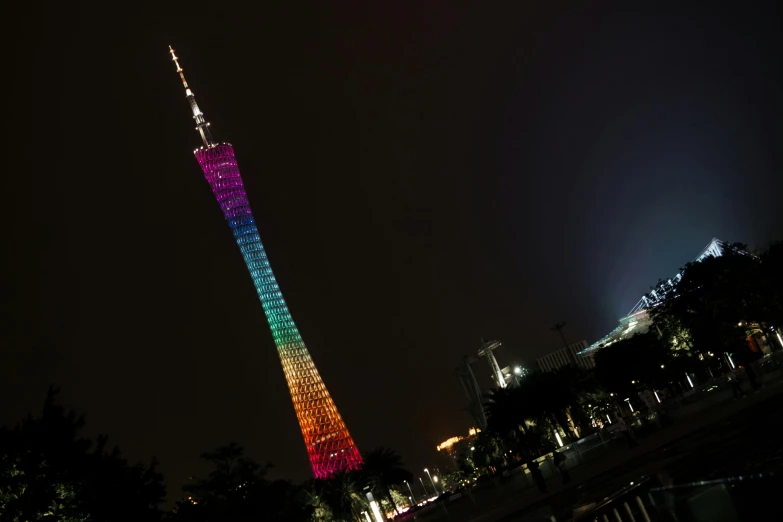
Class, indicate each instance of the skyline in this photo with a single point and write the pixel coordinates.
(457, 173)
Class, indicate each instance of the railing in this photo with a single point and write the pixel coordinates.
(743, 497)
(629, 504)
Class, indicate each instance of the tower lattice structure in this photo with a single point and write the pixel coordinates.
(329, 445)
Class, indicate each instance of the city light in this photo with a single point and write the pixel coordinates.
(448, 443)
(656, 396)
(559, 440)
(629, 404)
(517, 370)
(689, 380)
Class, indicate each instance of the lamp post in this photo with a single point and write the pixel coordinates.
(413, 497)
(424, 488)
(431, 481)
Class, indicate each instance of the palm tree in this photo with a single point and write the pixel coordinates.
(490, 451)
(338, 498)
(382, 469)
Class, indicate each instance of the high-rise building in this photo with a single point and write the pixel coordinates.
(566, 356)
(328, 442)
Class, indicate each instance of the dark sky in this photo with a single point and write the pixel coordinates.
(423, 175)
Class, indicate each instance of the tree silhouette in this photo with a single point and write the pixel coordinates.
(49, 472)
(236, 490)
(636, 359)
(338, 498)
(382, 469)
(712, 298)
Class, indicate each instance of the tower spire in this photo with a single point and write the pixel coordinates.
(328, 442)
(202, 125)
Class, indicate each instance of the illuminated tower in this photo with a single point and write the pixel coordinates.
(328, 442)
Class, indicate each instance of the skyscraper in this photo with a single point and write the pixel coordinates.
(328, 442)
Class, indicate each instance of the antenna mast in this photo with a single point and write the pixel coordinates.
(202, 125)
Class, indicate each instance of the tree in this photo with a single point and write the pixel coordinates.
(712, 298)
(236, 490)
(526, 416)
(490, 451)
(770, 285)
(48, 471)
(338, 498)
(382, 469)
(638, 358)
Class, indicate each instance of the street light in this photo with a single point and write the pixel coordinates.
(425, 489)
(409, 489)
(629, 404)
(432, 481)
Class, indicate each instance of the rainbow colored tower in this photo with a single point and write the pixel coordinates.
(328, 442)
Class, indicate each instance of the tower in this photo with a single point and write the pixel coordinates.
(328, 442)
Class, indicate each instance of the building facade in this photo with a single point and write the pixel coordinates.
(566, 356)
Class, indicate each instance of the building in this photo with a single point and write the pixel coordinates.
(454, 445)
(329, 445)
(638, 320)
(566, 356)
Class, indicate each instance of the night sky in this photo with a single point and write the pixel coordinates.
(423, 175)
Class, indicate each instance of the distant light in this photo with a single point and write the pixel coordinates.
(662, 366)
(689, 379)
(607, 418)
(559, 440)
(435, 478)
(472, 448)
(656, 396)
(629, 404)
